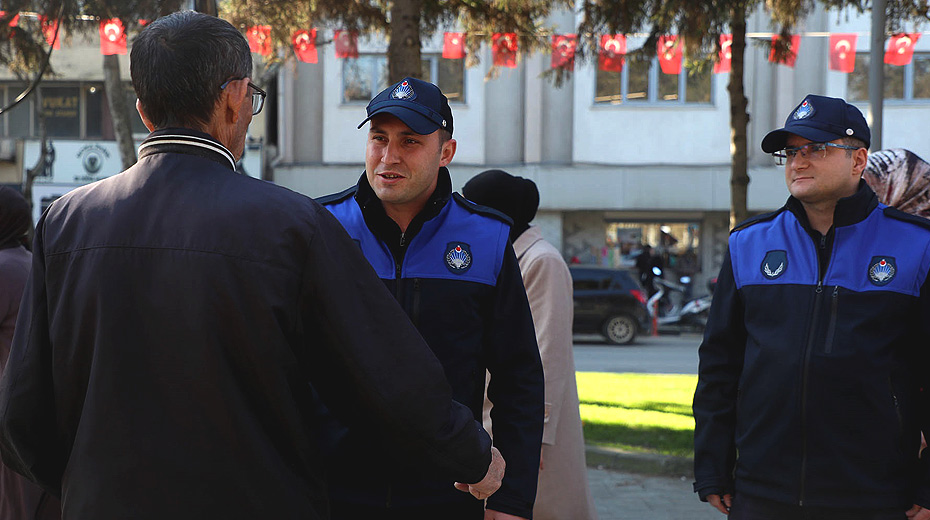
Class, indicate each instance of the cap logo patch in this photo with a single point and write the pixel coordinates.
(458, 257)
(403, 91)
(805, 110)
(774, 264)
(882, 270)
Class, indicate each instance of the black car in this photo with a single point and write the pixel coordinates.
(610, 302)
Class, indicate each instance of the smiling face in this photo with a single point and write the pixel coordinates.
(818, 179)
(402, 166)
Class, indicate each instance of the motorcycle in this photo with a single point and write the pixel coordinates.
(673, 306)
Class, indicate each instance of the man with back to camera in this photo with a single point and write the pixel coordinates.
(176, 313)
(450, 265)
(809, 401)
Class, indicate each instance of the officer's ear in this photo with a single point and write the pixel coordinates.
(447, 152)
(860, 161)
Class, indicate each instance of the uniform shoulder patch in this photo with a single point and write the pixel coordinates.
(906, 217)
(481, 210)
(337, 197)
(774, 264)
(756, 219)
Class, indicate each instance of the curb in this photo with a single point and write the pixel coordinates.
(605, 457)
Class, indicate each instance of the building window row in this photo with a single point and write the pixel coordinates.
(644, 82)
(364, 77)
(910, 82)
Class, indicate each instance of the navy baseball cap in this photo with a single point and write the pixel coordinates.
(820, 119)
(419, 104)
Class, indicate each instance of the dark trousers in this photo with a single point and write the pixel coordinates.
(751, 508)
(459, 511)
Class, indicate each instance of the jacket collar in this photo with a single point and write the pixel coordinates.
(187, 141)
(526, 240)
(849, 210)
(372, 207)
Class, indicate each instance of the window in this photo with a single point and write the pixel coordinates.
(908, 83)
(643, 81)
(364, 77)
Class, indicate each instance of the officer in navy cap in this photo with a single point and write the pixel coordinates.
(451, 266)
(809, 400)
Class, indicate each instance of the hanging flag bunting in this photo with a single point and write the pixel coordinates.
(346, 44)
(725, 56)
(48, 29)
(13, 21)
(670, 55)
(563, 51)
(843, 52)
(611, 51)
(112, 37)
(305, 46)
(504, 48)
(901, 49)
(453, 45)
(259, 37)
(791, 56)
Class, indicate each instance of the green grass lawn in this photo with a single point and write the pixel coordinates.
(638, 412)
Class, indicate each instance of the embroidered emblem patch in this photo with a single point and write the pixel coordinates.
(882, 270)
(774, 264)
(804, 111)
(458, 257)
(403, 91)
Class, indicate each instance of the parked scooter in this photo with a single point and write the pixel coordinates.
(672, 305)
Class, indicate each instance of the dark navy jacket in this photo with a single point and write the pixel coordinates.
(814, 358)
(455, 273)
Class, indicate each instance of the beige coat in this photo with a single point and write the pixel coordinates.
(563, 492)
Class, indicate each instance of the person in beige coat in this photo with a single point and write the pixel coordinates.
(563, 492)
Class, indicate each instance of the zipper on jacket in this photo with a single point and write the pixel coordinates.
(831, 328)
(403, 237)
(818, 296)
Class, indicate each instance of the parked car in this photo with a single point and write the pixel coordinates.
(610, 302)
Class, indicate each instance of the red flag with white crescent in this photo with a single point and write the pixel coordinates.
(48, 29)
(611, 51)
(670, 55)
(843, 52)
(792, 56)
(901, 49)
(259, 37)
(563, 51)
(346, 43)
(504, 48)
(453, 45)
(112, 37)
(305, 45)
(725, 56)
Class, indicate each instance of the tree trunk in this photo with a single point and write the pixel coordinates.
(119, 111)
(404, 45)
(739, 119)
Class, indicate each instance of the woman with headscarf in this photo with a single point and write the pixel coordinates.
(563, 492)
(20, 499)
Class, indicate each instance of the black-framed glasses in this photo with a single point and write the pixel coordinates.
(808, 151)
(258, 95)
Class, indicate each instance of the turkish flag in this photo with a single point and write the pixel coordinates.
(563, 51)
(305, 46)
(259, 37)
(504, 48)
(670, 55)
(48, 29)
(112, 37)
(611, 51)
(346, 44)
(13, 21)
(792, 54)
(453, 45)
(725, 56)
(843, 52)
(901, 49)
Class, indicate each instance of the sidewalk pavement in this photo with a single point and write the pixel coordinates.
(637, 486)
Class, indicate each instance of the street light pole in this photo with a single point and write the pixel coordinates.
(877, 72)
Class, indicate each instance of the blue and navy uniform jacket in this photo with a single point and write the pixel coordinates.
(814, 360)
(455, 273)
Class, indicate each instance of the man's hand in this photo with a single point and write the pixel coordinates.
(918, 513)
(490, 514)
(491, 482)
(724, 505)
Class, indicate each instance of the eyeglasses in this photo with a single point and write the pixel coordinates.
(258, 95)
(808, 151)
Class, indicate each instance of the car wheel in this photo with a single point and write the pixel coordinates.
(620, 330)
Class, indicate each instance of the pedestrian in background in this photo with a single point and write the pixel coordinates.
(809, 401)
(562, 491)
(181, 323)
